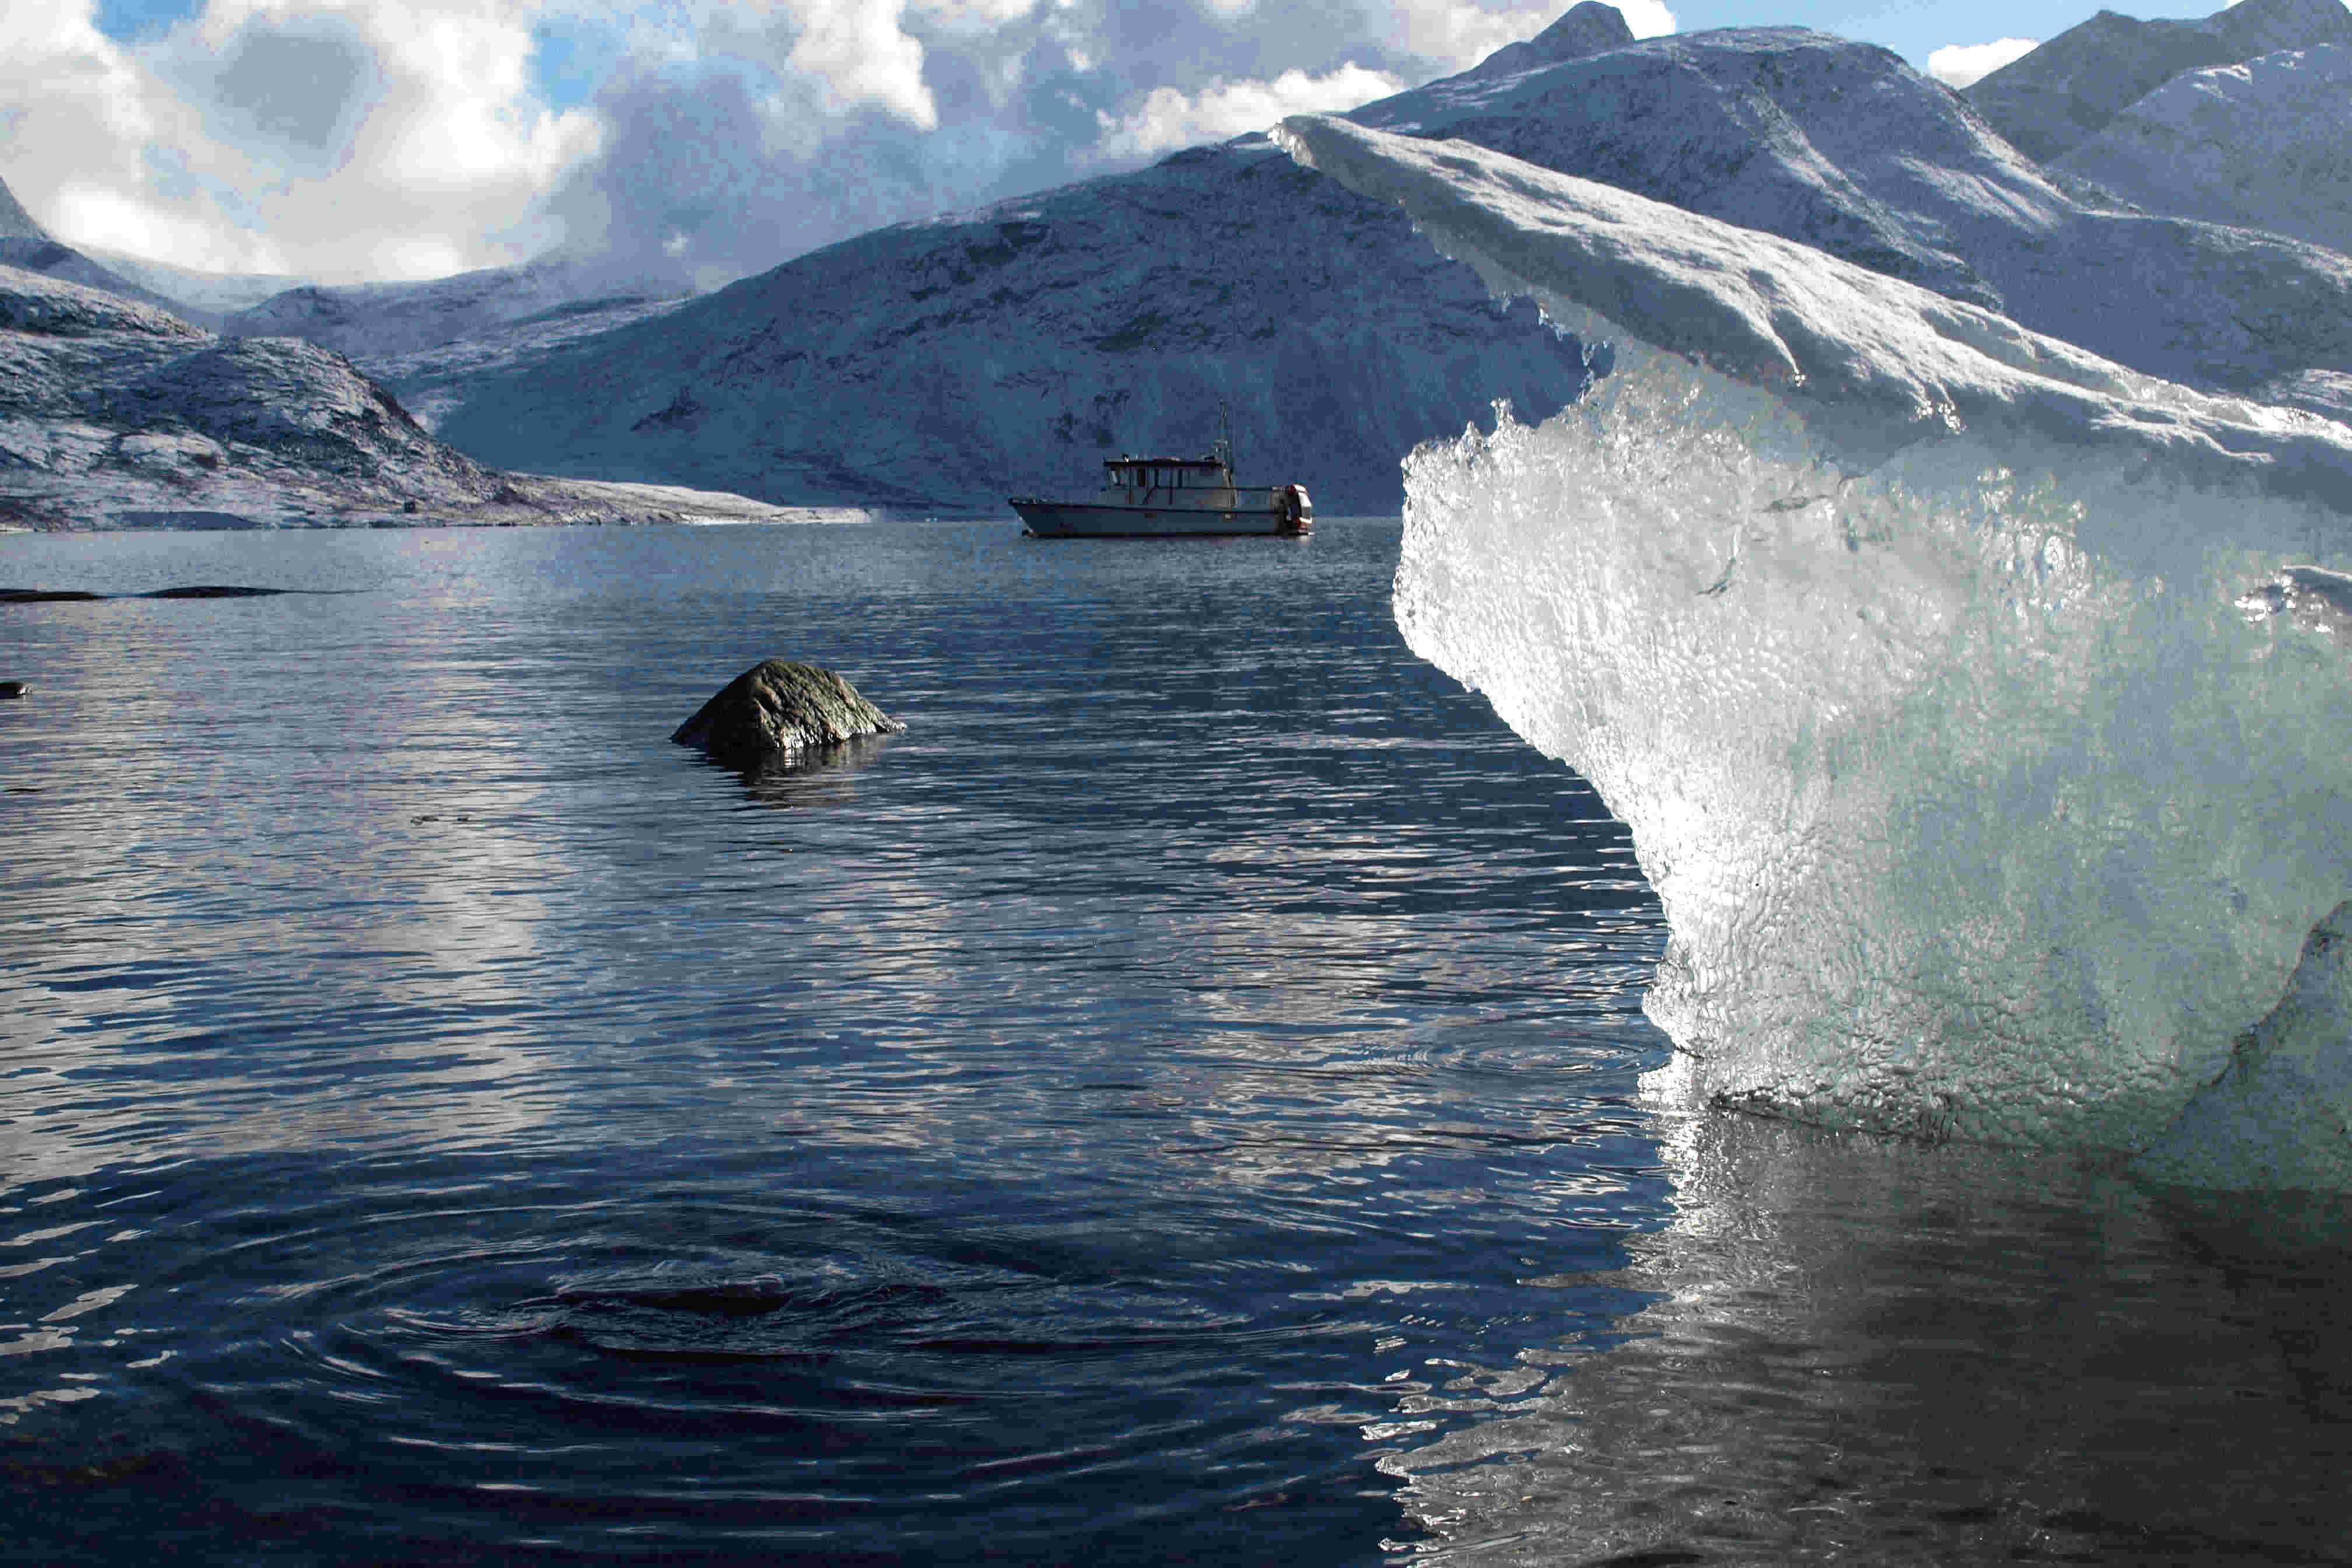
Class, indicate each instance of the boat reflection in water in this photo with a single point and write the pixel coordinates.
(1160, 498)
(1868, 1352)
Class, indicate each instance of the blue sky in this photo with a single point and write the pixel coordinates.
(577, 54)
(344, 140)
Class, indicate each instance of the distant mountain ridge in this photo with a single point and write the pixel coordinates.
(117, 414)
(193, 288)
(955, 361)
(25, 244)
(2261, 144)
(949, 363)
(381, 321)
(2058, 96)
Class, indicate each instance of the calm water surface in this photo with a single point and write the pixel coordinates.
(1174, 1103)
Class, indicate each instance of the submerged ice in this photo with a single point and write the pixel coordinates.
(1978, 705)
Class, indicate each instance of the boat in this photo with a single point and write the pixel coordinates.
(1164, 498)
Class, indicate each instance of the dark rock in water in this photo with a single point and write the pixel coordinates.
(775, 710)
(212, 590)
(12, 689)
(206, 522)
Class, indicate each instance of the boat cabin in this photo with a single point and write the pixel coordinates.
(1167, 473)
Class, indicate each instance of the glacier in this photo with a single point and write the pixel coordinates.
(1976, 703)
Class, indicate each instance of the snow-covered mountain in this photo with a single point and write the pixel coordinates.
(956, 362)
(370, 321)
(117, 414)
(2266, 144)
(2056, 97)
(215, 294)
(1844, 147)
(373, 321)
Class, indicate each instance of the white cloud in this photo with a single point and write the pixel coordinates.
(1959, 65)
(377, 139)
(859, 53)
(1168, 118)
(342, 139)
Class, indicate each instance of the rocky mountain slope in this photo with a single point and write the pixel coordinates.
(2266, 144)
(2057, 97)
(117, 414)
(956, 362)
(15, 223)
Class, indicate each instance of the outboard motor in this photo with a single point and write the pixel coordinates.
(1298, 511)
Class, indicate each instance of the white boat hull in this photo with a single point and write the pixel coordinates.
(1100, 520)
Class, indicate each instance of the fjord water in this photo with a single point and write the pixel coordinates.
(1176, 1102)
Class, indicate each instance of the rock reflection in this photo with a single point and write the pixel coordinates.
(1868, 1352)
(824, 776)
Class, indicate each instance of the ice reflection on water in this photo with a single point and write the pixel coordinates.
(1866, 1351)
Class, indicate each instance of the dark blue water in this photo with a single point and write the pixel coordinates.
(1176, 1103)
(439, 1116)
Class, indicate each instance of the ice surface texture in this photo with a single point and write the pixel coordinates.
(1909, 644)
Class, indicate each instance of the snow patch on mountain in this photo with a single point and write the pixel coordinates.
(2266, 144)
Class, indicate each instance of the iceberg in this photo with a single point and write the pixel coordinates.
(1976, 703)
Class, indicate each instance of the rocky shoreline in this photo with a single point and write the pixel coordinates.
(115, 413)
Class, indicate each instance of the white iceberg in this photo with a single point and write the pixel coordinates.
(1977, 704)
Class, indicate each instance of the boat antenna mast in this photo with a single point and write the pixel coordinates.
(1223, 450)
